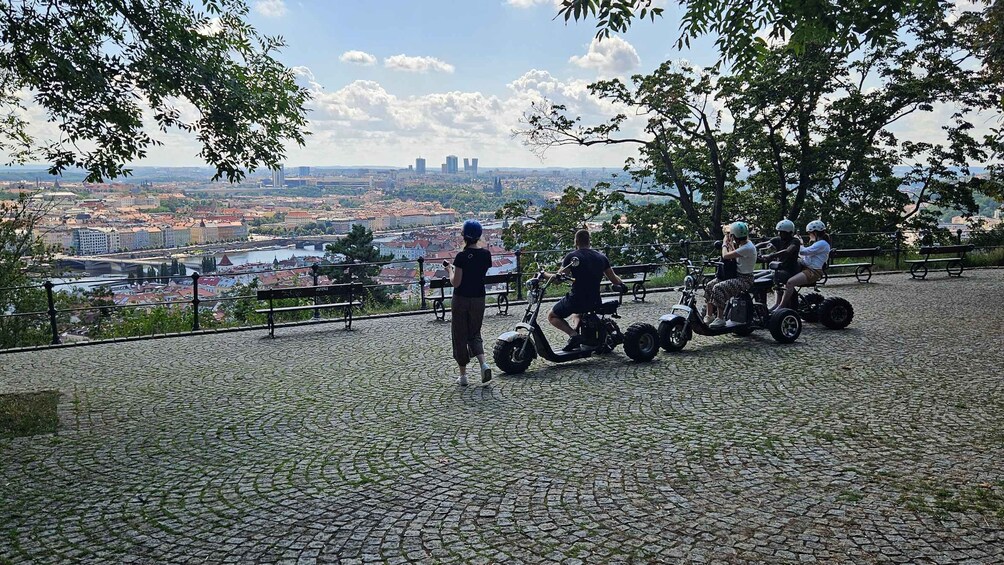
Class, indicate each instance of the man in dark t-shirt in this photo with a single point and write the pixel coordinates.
(584, 295)
(785, 247)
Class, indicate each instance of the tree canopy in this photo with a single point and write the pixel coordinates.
(105, 71)
(803, 133)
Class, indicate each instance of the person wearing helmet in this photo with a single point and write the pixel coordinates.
(812, 258)
(467, 275)
(738, 247)
(784, 249)
(584, 295)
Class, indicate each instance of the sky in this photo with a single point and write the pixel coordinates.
(393, 80)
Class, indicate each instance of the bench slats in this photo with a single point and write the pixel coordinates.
(953, 265)
(346, 290)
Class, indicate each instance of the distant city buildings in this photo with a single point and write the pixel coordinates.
(278, 177)
(420, 166)
(471, 166)
(451, 164)
(303, 172)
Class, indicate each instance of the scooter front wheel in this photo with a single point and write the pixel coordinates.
(673, 336)
(508, 358)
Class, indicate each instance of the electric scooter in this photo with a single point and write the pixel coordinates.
(744, 314)
(515, 350)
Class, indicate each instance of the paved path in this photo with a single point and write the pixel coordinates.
(880, 443)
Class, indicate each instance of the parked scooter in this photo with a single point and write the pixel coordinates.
(743, 313)
(515, 350)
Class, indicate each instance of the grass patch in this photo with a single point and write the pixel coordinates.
(850, 496)
(28, 414)
(939, 499)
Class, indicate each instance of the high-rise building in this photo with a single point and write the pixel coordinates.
(420, 166)
(451, 164)
(278, 177)
(467, 165)
(304, 172)
(474, 166)
(443, 165)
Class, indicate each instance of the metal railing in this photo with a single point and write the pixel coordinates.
(895, 247)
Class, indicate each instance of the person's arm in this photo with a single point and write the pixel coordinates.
(613, 276)
(818, 248)
(456, 275)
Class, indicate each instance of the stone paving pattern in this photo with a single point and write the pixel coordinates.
(880, 443)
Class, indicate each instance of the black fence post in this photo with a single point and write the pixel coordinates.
(685, 248)
(958, 236)
(421, 279)
(195, 302)
(52, 312)
(899, 245)
(314, 271)
(519, 274)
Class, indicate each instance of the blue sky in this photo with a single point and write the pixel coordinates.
(393, 80)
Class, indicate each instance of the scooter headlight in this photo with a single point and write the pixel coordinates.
(688, 283)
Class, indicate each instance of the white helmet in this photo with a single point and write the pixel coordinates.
(786, 225)
(815, 225)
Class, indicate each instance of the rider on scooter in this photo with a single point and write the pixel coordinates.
(785, 247)
(584, 295)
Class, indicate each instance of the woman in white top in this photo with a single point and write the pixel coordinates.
(812, 258)
(738, 247)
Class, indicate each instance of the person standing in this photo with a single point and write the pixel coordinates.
(467, 275)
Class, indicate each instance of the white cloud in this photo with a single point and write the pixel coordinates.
(358, 58)
(611, 56)
(270, 8)
(532, 3)
(417, 64)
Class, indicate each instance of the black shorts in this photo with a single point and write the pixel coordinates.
(568, 306)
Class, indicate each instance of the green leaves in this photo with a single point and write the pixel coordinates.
(97, 67)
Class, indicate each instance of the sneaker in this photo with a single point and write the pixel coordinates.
(462, 380)
(573, 343)
(718, 323)
(731, 324)
(708, 319)
(486, 373)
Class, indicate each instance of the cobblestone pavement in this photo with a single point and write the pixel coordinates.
(880, 443)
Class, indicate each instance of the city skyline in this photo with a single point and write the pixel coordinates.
(380, 99)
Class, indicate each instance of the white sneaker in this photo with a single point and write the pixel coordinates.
(731, 324)
(462, 380)
(718, 323)
(708, 319)
(486, 373)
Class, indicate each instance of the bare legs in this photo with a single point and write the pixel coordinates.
(789, 288)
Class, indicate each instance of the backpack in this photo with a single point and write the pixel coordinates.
(727, 269)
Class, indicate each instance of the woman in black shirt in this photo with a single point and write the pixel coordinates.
(467, 275)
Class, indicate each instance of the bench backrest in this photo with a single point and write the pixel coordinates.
(343, 289)
(865, 252)
(441, 283)
(635, 269)
(945, 249)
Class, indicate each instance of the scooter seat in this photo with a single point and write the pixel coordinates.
(763, 282)
(609, 306)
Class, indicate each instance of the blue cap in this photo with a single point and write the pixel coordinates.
(472, 229)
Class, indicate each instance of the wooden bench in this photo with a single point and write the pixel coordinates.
(636, 276)
(506, 280)
(862, 270)
(346, 295)
(953, 265)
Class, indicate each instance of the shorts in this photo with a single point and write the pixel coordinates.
(568, 306)
(812, 276)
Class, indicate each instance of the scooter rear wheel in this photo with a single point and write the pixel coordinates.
(507, 355)
(641, 342)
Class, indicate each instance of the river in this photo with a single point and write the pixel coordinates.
(193, 262)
